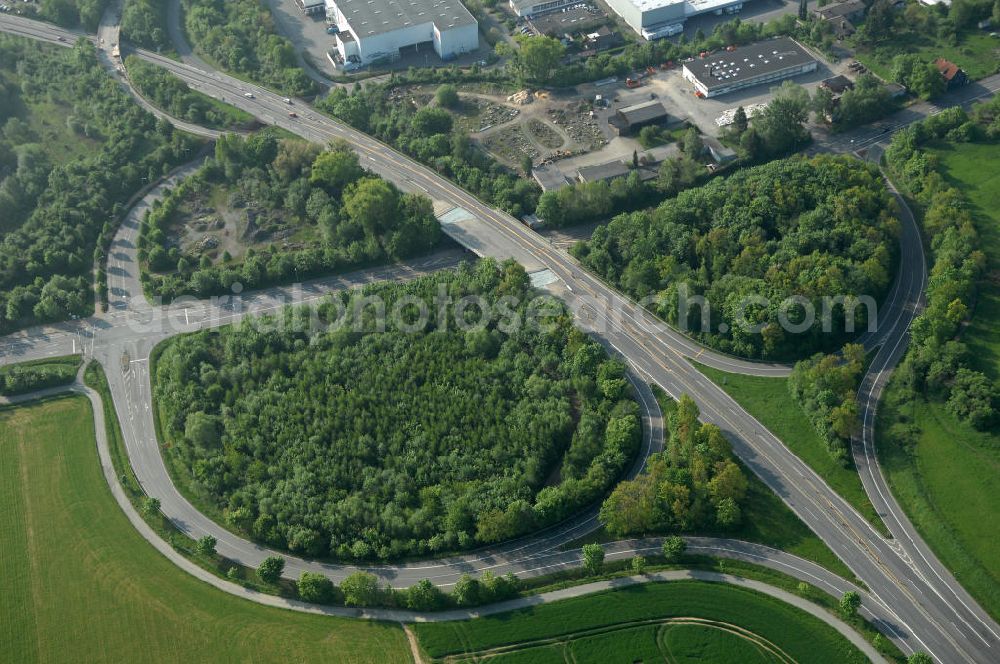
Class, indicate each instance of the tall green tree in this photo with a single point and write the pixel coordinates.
(336, 168)
(360, 589)
(538, 58)
(782, 123)
(315, 587)
(593, 558)
(270, 569)
(850, 602)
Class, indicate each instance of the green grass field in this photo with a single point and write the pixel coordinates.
(769, 400)
(976, 52)
(950, 477)
(695, 644)
(673, 643)
(82, 585)
(573, 622)
(947, 482)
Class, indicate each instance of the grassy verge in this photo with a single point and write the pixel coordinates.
(974, 168)
(769, 400)
(944, 473)
(804, 637)
(947, 477)
(82, 585)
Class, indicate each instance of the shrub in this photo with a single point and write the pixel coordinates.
(315, 587)
(270, 569)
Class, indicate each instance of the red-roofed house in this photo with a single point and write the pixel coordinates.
(953, 74)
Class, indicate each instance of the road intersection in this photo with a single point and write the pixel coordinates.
(919, 604)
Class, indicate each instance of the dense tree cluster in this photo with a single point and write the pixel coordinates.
(73, 13)
(825, 387)
(428, 134)
(779, 130)
(921, 77)
(363, 589)
(174, 96)
(693, 484)
(144, 24)
(937, 363)
(241, 36)
(58, 216)
(803, 228)
(359, 219)
(536, 60)
(367, 444)
(919, 21)
(866, 102)
(888, 33)
(592, 201)
(986, 115)
(30, 376)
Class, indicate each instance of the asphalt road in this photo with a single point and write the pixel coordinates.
(867, 136)
(926, 608)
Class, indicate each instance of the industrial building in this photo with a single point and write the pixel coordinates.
(747, 66)
(535, 7)
(373, 30)
(310, 7)
(630, 119)
(722, 154)
(603, 172)
(654, 19)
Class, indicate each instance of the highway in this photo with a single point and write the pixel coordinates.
(922, 605)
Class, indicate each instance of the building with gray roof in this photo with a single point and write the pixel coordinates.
(746, 66)
(372, 30)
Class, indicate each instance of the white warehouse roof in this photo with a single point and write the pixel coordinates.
(691, 7)
(373, 17)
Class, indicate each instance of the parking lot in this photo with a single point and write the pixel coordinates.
(307, 33)
(754, 11)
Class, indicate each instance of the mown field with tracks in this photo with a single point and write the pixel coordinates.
(678, 621)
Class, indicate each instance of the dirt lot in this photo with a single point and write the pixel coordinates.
(548, 127)
(544, 134)
(545, 127)
(220, 220)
